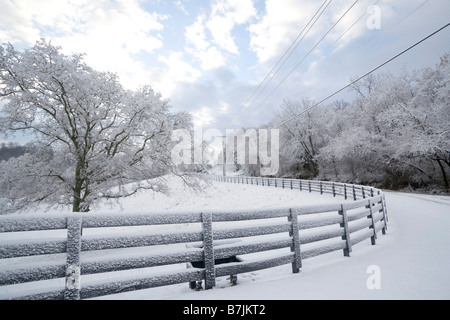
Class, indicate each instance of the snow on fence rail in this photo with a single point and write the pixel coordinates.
(334, 188)
(285, 236)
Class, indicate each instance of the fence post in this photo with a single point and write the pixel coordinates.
(73, 271)
(345, 191)
(295, 247)
(309, 186)
(334, 190)
(383, 207)
(208, 251)
(291, 183)
(372, 226)
(354, 192)
(320, 184)
(346, 236)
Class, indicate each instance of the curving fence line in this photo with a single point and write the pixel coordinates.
(120, 253)
(334, 188)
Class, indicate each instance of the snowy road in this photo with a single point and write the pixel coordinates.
(412, 261)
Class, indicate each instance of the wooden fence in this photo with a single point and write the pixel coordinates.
(286, 236)
(334, 188)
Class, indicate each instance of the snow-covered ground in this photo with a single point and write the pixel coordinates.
(411, 261)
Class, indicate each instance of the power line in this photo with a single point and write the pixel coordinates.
(271, 74)
(351, 27)
(278, 62)
(390, 28)
(365, 75)
(301, 61)
(278, 69)
(377, 38)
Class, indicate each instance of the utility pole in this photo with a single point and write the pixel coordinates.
(224, 158)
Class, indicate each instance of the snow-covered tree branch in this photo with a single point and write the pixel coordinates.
(106, 142)
(395, 133)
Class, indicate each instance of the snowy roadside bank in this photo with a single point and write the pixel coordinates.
(412, 257)
(413, 260)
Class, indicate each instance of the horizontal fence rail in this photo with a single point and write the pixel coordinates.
(286, 236)
(334, 188)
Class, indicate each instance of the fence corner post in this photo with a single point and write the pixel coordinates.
(295, 247)
(73, 268)
(346, 236)
(208, 251)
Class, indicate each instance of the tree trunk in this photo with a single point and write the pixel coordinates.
(79, 204)
(444, 174)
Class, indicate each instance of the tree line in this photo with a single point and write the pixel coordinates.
(395, 133)
(94, 140)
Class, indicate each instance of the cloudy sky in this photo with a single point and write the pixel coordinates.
(210, 57)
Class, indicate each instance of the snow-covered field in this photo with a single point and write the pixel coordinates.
(411, 261)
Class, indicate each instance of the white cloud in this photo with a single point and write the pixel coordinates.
(278, 27)
(189, 57)
(179, 5)
(225, 15)
(181, 71)
(220, 28)
(109, 32)
(196, 35)
(174, 70)
(202, 49)
(16, 24)
(212, 58)
(210, 38)
(203, 117)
